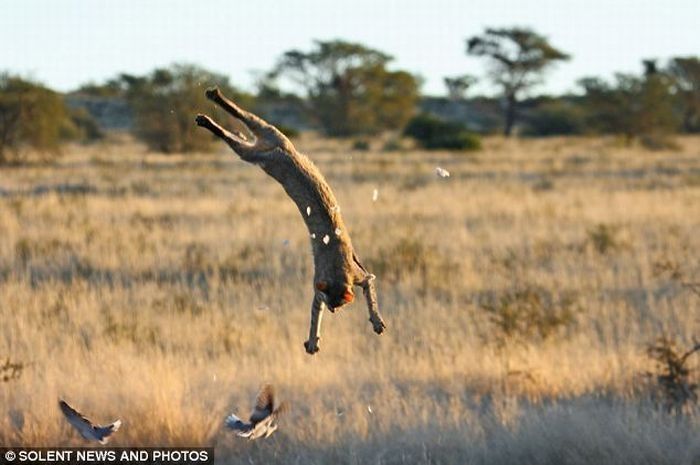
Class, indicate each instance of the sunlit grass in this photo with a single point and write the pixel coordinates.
(163, 290)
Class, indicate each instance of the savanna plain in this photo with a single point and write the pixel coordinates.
(521, 294)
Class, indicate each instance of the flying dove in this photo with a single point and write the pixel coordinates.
(85, 426)
(263, 420)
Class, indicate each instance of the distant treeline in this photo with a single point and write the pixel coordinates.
(344, 89)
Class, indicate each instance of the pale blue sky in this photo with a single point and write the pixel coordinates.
(64, 43)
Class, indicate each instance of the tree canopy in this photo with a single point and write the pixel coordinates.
(457, 86)
(685, 75)
(30, 116)
(349, 89)
(632, 106)
(518, 58)
(165, 101)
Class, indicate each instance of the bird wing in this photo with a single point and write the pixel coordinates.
(281, 409)
(103, 433)
(239, 426)
(264, 404)
(77, 420)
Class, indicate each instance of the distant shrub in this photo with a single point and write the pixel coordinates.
(555, 118)
(674, 271)
(165, 101)
(658, 142)
(184, 302)
(412, 257)
(528, 314)
(26, 249)
(392, 145)
(86, 127)
(288, 131)
(11, 370)
(544, 184)
(361, 145)
(632, 106)
(675, 387)
(604, 238)
(433, 133)
(119, 329)
(30, 116)
(197, 258)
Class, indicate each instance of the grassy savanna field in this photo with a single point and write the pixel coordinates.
(163, 290)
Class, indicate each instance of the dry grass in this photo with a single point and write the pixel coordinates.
(165, 290)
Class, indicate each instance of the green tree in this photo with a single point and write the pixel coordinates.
(656, 116)
(518, 59)
(612, 108)
(349, 89)
(111, 88)
(30, 116)
(685, 75)
(165, 101)
(633, 106)
(457, 86)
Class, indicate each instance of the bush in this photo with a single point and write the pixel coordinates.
(288, 131)
(658, 142)
(433, 133)
(604, 238)
(10, 370)
(529, 314)
(165, 102)
(361, 145)
(411, 258)
(555, 118)
(30, 116)
(675, 387)
(632, 106)
(392, 145)
(86, 127)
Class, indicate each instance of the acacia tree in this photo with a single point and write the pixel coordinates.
(348, 87)
(518, 59)
(685, 75)
(457, 86)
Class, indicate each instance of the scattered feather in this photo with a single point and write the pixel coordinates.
(313, 235)
(337, 231)
(375, 195)
(326, 239)
(308, 211)
(369, 409)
